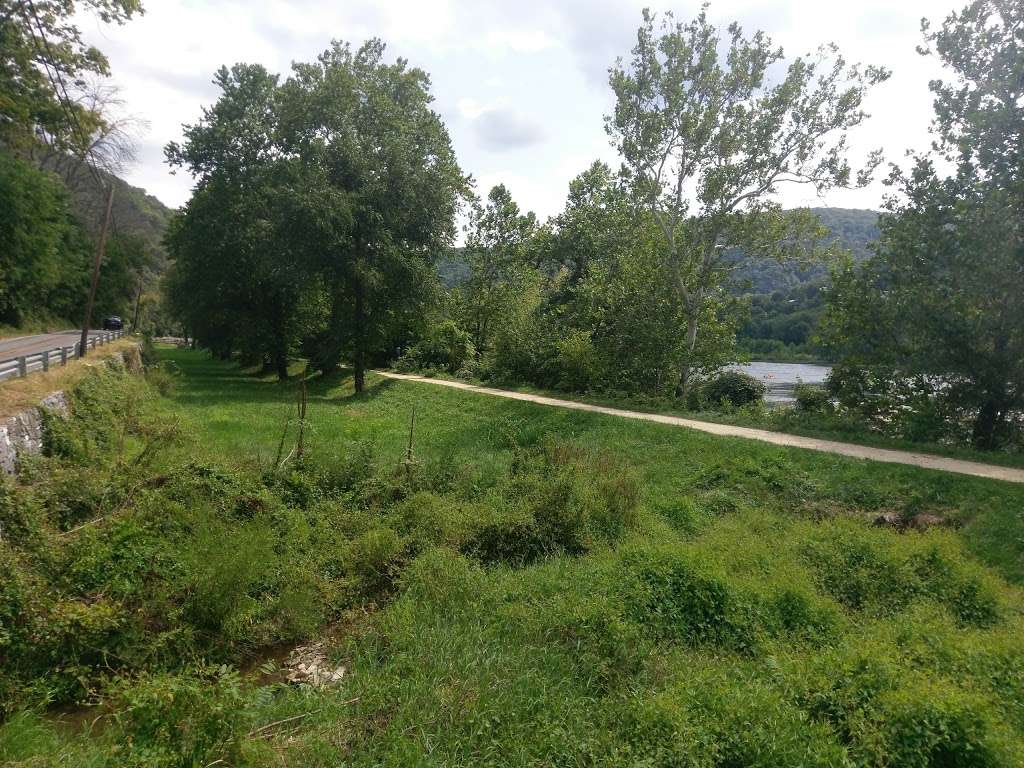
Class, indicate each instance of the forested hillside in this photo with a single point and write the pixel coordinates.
(852, 230)
(786, 297)
(49, 228)
(136, 212)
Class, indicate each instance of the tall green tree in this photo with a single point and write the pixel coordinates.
(498, 249)
(366, 131)
(320, 205)
(937, 314)
(708, 138)
(243, 277)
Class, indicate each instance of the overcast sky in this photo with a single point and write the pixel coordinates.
(521, 84)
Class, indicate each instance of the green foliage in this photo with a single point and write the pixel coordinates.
(736, 149)
(44, 268)
(44, 262)
(321, 250)
(871, 572)
(536, 586)
(939, 339)
(176, 721)
(811, 398)
(733, 388)
(499, 253)
(445, 345)
(30, 104)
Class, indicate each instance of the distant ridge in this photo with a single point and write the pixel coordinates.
(854, 228)
(135, 212)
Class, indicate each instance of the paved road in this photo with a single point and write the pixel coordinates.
(30, 345)
(928, 461)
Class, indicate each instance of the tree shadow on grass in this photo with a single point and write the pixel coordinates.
(338, 387)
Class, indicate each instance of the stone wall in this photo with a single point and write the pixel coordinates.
(22, 433)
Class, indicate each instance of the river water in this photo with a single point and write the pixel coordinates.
(782, 377)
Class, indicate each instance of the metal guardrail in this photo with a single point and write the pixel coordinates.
(20, 367)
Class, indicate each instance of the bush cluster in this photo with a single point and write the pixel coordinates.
(445, 346)
(122, 560)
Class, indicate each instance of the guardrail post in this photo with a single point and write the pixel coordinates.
(63, 356)
(22, 367)
(46, 360)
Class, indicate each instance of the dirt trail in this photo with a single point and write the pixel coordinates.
(928, 461)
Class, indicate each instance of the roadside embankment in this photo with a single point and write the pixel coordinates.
(23, 401)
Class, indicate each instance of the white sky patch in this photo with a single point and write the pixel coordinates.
(522, 86)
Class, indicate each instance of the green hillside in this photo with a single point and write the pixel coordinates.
(853, 229)
(135, 211)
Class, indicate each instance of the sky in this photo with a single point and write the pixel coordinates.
(522, 85)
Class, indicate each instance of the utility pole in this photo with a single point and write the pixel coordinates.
(138, 298)
(101, 246)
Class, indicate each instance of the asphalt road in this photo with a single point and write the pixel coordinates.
(11, 349)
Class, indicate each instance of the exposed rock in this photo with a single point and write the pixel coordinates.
(22, 433)
(308, 665)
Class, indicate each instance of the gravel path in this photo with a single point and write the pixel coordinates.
(928, 461)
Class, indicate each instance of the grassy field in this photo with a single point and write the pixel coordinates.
(778, 419)
(536, 586)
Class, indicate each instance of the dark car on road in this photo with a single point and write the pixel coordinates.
(113, 323)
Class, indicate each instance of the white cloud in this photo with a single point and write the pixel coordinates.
(527, 78)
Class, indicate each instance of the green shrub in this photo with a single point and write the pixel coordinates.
(180, 721)
(558, 500)
(427, 519)
(729, 718)
(811, 398)
(76, 494)
(442, 577)
(607, 648)
(871, 570)
(732, 387)
(684, 598)
(936, 724)
(576, 363)
(445, 345)
(376, 559)
(163, 377)
(22, 517)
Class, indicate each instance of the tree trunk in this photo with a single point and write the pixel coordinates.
(138, 300)
(986, 424)
(686, 368)
(359, 326)
(281, 365)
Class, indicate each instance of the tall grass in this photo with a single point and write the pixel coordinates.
(533, 587)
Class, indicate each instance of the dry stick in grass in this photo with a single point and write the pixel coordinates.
(278, 463)
(264, 730)
(300, 447)
(409, 459)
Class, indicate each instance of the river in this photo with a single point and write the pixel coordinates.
(782, 377)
